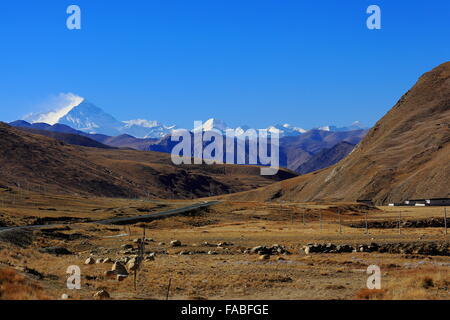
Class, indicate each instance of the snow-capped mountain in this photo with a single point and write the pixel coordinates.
(89, 118)
(85, 116)
(286, 130)
(142, 128)
(354, 126)
(212, 124)
(82, 115)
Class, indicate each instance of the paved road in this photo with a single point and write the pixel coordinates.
(126, 220)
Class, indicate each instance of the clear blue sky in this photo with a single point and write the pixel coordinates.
(257, 62)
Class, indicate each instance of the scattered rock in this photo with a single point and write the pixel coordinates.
(101, 295)
(133, 264)
(264, 257)
(273, 250)
(89, 260)
(107, 260)
(121, 277)
(119, 268)
(424, 248)
(175, 243)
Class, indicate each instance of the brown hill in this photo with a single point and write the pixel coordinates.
(405, 155)
(68, 138)
(326, 157)
(40, 163)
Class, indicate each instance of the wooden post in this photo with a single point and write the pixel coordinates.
(168, 289)
(445, 221)
(367, 229)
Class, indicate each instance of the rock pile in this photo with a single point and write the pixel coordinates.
(424, 223)
(425, 248)
(273, 250)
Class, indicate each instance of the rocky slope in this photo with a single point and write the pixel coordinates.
(405, 155)
(39, 163)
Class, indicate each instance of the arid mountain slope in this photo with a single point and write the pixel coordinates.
(326, 157)
(405, 155)
(68, 138)
(40, 163)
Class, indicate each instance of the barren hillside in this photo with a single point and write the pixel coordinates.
(43, 164)
(405, 155)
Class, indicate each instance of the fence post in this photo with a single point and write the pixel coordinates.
(367, 227)
(168, 289)
(445, 220)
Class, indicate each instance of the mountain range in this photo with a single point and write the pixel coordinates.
(84, 116)
(312, 146)
(40, 163)
(100, 129)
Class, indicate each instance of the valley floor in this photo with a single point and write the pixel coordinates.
(215, 260)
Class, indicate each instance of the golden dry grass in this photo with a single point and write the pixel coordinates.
(14, 286)
(232, 274)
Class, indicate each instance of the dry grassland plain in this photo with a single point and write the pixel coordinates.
(215, 260)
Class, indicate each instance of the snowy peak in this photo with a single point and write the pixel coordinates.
(286, 130)
(90, 118)
(142, 128)
(354, 126)
(80, 114)
(212, 123)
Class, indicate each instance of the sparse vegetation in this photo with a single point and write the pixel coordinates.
(215, 259)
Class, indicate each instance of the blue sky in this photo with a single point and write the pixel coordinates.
(255, 62)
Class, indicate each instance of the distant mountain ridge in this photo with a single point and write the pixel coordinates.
(326, 157)
(37, 162)
(295, 151)
(82, 115)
